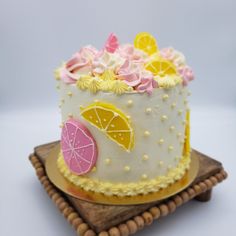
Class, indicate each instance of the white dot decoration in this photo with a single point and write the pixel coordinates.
(177, 158)
(182, 141)
(145, 157)
(179, 134)
(70, 115)
(144, 177)
(126, 168)
(169, 167)
(165, 97)
(70, 94)
(146, 133)
(161, 141)
(148, 110)
(180, 111)
(164, 117)
(172, 128)
(130, 103)
(108, 161)
(173, 105)
(170, 148)
(160, 163)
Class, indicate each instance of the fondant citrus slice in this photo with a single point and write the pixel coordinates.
(78, 147)
(146, 42)
(161, 67)
(187, 147)
(112, 122)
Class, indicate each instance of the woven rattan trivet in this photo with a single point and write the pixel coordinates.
(89, 219)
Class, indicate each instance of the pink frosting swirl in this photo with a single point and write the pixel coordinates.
(186, 73)
(147, 83)
(134, 75)
(129, 73)
(106, 61)
(80, 63)
(129, 52)
(174, 56)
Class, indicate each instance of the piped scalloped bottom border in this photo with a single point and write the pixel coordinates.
(125, 189)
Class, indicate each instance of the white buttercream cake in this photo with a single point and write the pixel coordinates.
(125, 117)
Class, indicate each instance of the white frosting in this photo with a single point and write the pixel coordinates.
(158, 122)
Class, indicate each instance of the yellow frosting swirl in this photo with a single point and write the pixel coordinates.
(83, 82)
(168, 81)
(94, 84)
(120, 87)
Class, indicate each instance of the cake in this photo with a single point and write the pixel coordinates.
(125, 117)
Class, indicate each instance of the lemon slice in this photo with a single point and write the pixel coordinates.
(146, 42)
(187, 147)
(111, 121)
(161, 67)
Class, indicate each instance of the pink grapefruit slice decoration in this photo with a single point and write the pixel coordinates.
(112, 43)
(78, 147)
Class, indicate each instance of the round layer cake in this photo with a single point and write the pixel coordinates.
(125, 120)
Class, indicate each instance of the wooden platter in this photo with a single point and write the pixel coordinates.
(91, 219)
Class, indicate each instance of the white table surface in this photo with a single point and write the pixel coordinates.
(25, 209)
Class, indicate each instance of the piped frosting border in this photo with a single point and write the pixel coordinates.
(126, 189)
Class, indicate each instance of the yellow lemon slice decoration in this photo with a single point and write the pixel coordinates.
(146, 42)
(111, 121)
(161, 67)
(187, 147)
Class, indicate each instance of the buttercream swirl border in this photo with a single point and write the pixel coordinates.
(125, 189)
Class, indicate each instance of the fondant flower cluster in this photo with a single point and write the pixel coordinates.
(122, 68)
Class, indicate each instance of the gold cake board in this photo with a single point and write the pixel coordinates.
(89, 218)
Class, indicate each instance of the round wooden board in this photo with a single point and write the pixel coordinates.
(67, 187)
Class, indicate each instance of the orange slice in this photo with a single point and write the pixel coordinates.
(112, 121)
(161, 67)
(146, 42)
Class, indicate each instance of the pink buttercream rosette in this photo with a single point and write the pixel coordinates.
(80, 63)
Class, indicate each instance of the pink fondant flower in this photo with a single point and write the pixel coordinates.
(186, 73)
(112, 43)
(67, 77)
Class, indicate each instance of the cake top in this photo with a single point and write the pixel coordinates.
(121, 68)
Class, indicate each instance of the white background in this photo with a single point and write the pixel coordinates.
(35, 36)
